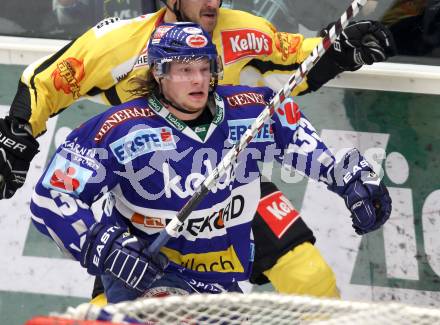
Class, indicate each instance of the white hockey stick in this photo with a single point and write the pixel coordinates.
(171, 230)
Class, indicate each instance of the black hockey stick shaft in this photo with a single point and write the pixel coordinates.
(172, 229)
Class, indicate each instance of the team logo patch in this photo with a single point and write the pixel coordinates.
(287, 44)
(141, 142)
(120, 117)
(278, 212)
(68, 75)
(241, 43)
(197, 41)
(238, 127)
(65, 176)
(289, 114)
(159, 33)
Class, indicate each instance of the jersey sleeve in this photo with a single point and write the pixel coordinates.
(301, 147)
(288, 51)
(79, 173)
(90, 65)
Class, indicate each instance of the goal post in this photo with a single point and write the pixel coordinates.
(246, 309)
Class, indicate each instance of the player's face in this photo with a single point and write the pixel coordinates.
(187, 85)
(202, 12)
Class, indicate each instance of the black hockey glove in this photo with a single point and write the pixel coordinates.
(111, 249)
(431, 23)
(17, 148)
(362, 42)
(362, 190)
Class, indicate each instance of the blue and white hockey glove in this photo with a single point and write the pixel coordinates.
(364, 193)
(114, 250)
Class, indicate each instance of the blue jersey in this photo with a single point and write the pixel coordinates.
(152, 162)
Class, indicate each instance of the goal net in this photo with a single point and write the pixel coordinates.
(244, 309)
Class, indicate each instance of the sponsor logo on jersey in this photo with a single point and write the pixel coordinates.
(142, 60)
(141, 142)
(202, 224)
(243, 99)
(108, 24)
(216, 220)
(147, 221)
(68, 75)
(178, 124)
(221, 261)
(186, 188)
(196, 41)
(220, 110)
(289, 114)
(238, 127)
(155, 104)
(242, 43)
(192, 30)
(66, 176)
(120, 117)
(287, 44)
(81, 154)
(159, 33)
(278, 212)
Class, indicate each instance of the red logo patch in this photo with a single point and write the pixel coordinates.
(241, 43)
(196, 41)
(65, 180)
(290, 111)
(278, 212)
(165, 135)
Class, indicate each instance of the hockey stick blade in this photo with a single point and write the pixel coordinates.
(171, 230)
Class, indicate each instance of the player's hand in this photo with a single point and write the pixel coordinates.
(17, 148)
(431, 23)
(362, 190)
(362, 42)
(114, 250)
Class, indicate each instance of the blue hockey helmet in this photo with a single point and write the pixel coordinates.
(181, 42)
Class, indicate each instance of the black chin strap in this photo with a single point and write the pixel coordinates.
(174, 10)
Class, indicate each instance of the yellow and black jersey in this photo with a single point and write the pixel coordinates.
(103, 61)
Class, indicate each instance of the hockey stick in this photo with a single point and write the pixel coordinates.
(171, 230)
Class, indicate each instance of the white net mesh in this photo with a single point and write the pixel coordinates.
(259, 308)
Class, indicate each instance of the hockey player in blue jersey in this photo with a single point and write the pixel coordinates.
(152, 152)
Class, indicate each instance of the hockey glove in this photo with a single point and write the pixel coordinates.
(17, 148)
(112, 249)
(362, 42)
(431, 23)
(362, 190)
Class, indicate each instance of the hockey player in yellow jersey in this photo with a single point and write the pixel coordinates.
(103, 61)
